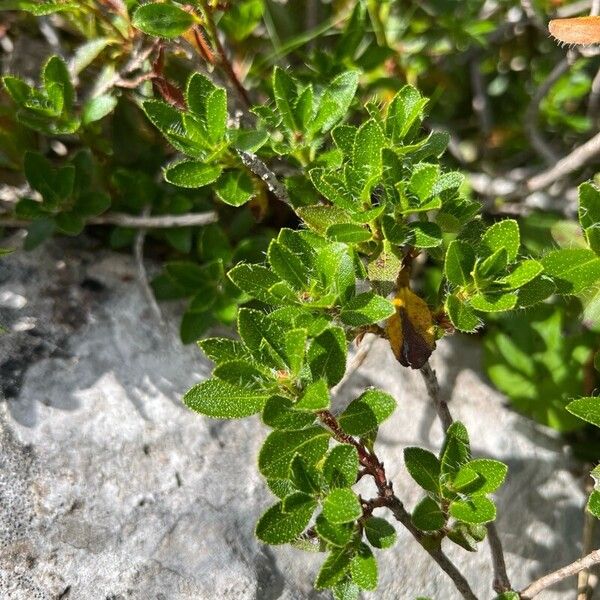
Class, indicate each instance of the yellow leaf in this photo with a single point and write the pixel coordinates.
(411, 331)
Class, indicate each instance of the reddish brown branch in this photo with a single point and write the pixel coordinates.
(386, 498)
(223, 60)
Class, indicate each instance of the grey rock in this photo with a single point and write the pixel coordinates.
(111, 489)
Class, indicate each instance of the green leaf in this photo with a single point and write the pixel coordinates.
(461, 315)
(234, 188)
(263, 336)
(508, 596)
(277, 526)
(17, 89)
(295, 348)
(365, 309)
(97, 108)
(395, 231)
(222, 400)
(280, 447)
(427, 515)
(587, 408)
(87, 53)
(335, 534)
(525, 272)
(491, 266)
(456, 450)
(493, 302)
(425, 234)
(334, 568)
(285, 91)
(341, 466)
(459, 263)
(248, 141)
(288, 266)
(363, 568)
(380, 533)
(475, 510)
(327, 356)
(255, 280)
(38, 232)
(343, 137)
(315, 397)
(423, 180)
(493, 471)
(222, 349)
(349, 233)
(535, 291)
(593, 504)
(503, 234)
(304, 477)
(572, 269)
(589, 214)
(367, 412)
(162, 19)
(70, 223)
(243, 373)
(54, 185)
(341, 506)
(56, 76)
(466, 481)
(320, 218)
(405, 110)
(424, 467)
(366, 155)
(335, 101)
(279, 413)
(39, 8)
(191, 173)
(216, 115)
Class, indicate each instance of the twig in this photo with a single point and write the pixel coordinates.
(138, 57)
(224, 61)
(433, 390)
(584, 589)
(374, 467)
(531, 591)
(501, 581)
(573, 161)
(403, 516)
(260, 169)
(481, 106)
(138, 253)
(536, 138)
(125, 220)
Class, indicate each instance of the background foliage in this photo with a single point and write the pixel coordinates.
(294, 162)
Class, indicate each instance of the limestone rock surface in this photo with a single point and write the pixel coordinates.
(110, 489)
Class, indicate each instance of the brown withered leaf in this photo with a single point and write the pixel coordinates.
(411, 330)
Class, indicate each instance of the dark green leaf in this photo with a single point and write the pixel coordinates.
(427, 515)
(341, 466)
(587, 409)
(277, 526)
(222, 400)
(341, 506)
(474, 510)
(327, 356)
(280, 447)
(363, 568)
(424, 467)
(315, 397)
(380, 533)
(367, 412)
(162, 19)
